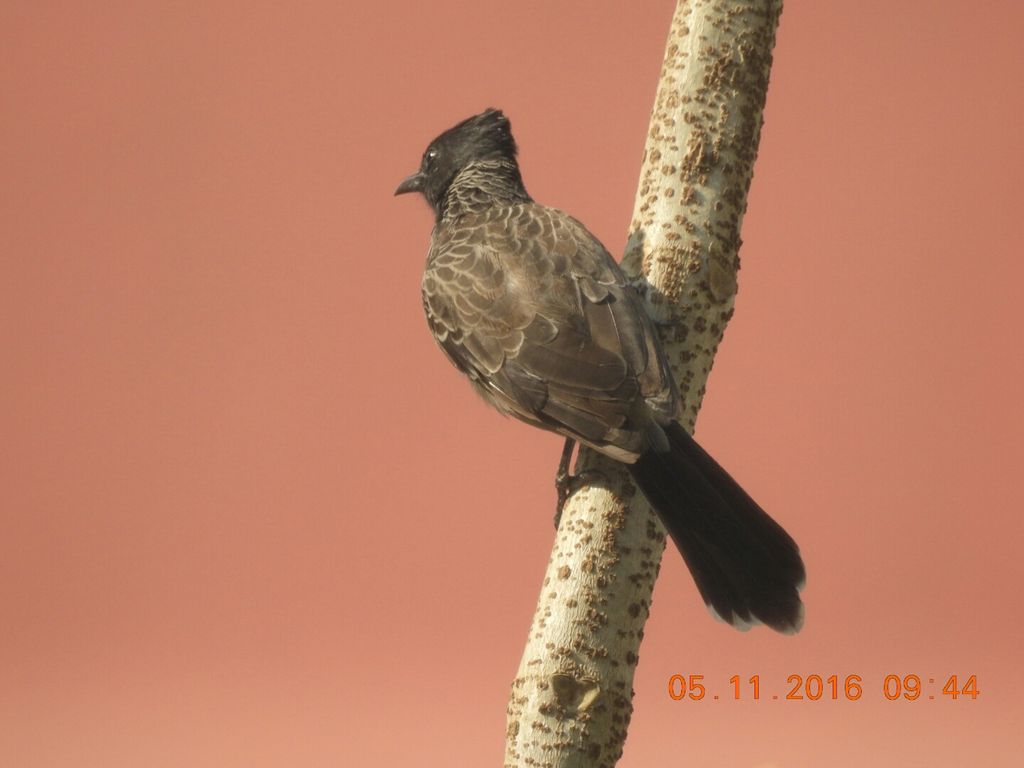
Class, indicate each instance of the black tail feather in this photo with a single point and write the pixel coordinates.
(746, 566)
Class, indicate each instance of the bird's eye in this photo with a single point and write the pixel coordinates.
(428, 159)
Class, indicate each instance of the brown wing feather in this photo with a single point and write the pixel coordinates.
(531, 307)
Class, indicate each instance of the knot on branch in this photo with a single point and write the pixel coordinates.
(574, 695)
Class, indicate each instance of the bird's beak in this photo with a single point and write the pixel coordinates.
(412, 183)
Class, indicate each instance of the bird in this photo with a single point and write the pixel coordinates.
(532, 308)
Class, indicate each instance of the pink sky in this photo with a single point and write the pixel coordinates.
(250, 516)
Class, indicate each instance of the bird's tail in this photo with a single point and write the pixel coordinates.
(747, 568)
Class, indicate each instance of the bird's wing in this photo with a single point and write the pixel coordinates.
(528, 303)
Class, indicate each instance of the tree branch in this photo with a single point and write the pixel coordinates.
(572, 698)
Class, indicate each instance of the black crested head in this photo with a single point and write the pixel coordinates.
(488, 134)
(482, 139)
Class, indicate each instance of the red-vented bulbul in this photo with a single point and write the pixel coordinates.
(532, 308)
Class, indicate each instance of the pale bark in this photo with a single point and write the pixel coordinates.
(572, 698)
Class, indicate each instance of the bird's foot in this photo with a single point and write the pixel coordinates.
(567, 484)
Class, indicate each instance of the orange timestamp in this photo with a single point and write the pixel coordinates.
(827, 688)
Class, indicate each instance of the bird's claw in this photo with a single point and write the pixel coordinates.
(567, 484)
